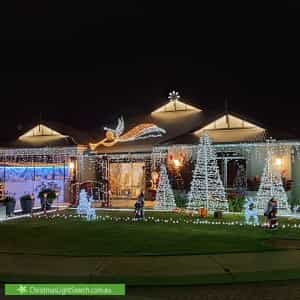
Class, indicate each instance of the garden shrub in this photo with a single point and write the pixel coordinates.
(294, 203)
(180, 199)
(236, 204)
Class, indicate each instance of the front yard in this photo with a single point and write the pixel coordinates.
(167, 247)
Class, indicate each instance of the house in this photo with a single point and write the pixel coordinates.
(44, 155)
(124, 159)
(130, 153)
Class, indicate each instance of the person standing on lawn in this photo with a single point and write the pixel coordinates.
(139, 207)
(137, 210)
(273, 215)
(142, 201)
(267, 212)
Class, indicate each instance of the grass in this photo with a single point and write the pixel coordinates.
(76, 237)
(163, 280)
(68, 249)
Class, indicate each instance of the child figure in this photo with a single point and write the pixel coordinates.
(139, 207)
(267, 212)
(273, 215)
(137, 210)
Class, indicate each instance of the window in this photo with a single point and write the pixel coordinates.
(233, 171)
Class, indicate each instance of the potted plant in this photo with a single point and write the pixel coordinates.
(26, 202)
(47, 196)
(10, 203)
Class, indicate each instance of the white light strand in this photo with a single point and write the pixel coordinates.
(164, 194)
(271, 186)
(84, 207)
(192, 220)
(207, 190)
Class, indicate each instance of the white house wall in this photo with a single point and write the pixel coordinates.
(86, 168)
(296, 177)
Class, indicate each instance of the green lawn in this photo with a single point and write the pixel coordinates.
(77, 237)
(68, 249)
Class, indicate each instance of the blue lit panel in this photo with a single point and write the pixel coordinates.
(30, 180)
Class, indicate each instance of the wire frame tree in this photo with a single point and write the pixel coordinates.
(164, 194)
(271, 186)
(207, 190)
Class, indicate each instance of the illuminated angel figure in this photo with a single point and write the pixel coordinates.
(141, 131)
(173, 96)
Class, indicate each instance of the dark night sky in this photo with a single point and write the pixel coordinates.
(84, 63)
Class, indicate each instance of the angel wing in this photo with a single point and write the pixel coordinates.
(119, 129)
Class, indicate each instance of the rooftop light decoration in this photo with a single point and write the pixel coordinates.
(141, 131)
(175, 105)
(174, 96)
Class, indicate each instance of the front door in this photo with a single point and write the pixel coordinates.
(126, 180)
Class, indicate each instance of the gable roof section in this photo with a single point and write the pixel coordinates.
(48, 134)
(223, 128)
(228, 121)
(175, 105)
(39, 131)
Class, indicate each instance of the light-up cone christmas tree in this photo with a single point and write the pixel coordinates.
(271, 186)
(207, 190)
(164, 194)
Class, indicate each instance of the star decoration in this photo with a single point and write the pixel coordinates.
(173, 96)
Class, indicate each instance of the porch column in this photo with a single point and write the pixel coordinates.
(296, 176)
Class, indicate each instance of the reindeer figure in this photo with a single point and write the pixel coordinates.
(250, 212)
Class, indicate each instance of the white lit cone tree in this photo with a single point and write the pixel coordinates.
(207, 190)
(271, 186)
(164, 194)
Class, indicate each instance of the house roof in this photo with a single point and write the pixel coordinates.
(173, 121)
(186, 126)
(177, 122)
(48, 134)
(223, 128)
(182, 126)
